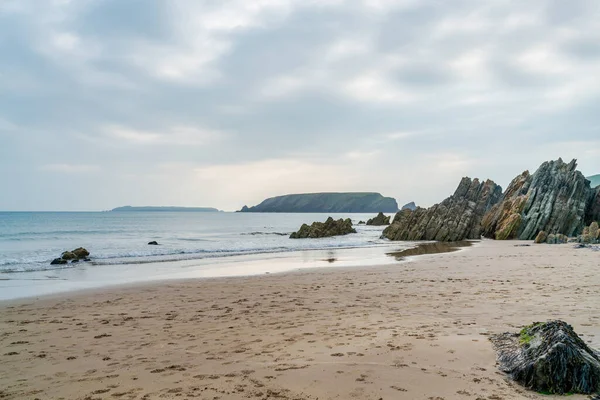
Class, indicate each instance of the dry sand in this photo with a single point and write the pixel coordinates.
(415, 330)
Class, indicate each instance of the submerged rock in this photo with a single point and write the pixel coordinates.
(549, 357)
(379, 220)
(328, 228)
(58, 261)
(153, 243)
(456, 218)
(556, 198)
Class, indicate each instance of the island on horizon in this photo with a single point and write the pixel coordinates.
(163, 209)
(350, 202)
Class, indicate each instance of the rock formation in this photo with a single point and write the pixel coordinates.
(379, 220)
(153, 243)
(593, 211)
(328, 228)
(357, 202)
(454, 219)
(590, 234)
(554, 199)
(549, 357)
(74, 255)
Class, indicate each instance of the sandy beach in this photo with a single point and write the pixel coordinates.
(413, 330)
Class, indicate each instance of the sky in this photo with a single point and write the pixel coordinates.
(222, 103)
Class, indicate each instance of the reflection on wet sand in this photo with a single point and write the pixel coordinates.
(430, 248)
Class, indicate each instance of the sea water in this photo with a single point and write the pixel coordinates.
(191, 244)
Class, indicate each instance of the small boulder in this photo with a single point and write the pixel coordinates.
(361, 222)
(81, 253)
(550, 358)
(58, 261)
(379, 220)
(68, 255)
(541, 237)
(153, 243)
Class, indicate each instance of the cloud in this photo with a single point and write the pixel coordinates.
(252, 98)
(71, 168)
(178, 135)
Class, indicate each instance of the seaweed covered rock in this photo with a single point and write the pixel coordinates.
(328, 228)
(74, 256)
(549, 357)
(379, 220)
(456, 218)
(556, 198)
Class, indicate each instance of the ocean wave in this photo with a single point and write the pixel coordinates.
(144, 257)
(264, 233)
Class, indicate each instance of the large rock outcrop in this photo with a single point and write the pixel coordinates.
(357, 202)
(454, 219)
(549, 357)
(328, 228)
(379, 220)
(555, 199)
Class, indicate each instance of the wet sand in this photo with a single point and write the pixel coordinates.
(414, 330)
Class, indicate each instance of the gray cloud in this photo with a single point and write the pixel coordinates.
(156, 101)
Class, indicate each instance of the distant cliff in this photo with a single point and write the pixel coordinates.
(157, 209)
(327, 203)
(594, 179)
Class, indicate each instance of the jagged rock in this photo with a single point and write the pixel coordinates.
(409, 206)
(554, 199)
(153, 243)
(361, 222)
(456, 218)
(379, 220)
(328, 228)
(541, 237)
(549, 357)
(58, 261)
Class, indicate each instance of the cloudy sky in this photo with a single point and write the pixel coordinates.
(225, 102)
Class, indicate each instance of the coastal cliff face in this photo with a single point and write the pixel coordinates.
(456, 218)
(327, 203)
(556, 199)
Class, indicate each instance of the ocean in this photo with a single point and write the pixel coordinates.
(191, 244)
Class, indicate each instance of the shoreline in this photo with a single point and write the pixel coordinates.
(412, 330)
(289, 258)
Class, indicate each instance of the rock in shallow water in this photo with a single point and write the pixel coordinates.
(328, 228)
(550, 358)
(379, 220)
